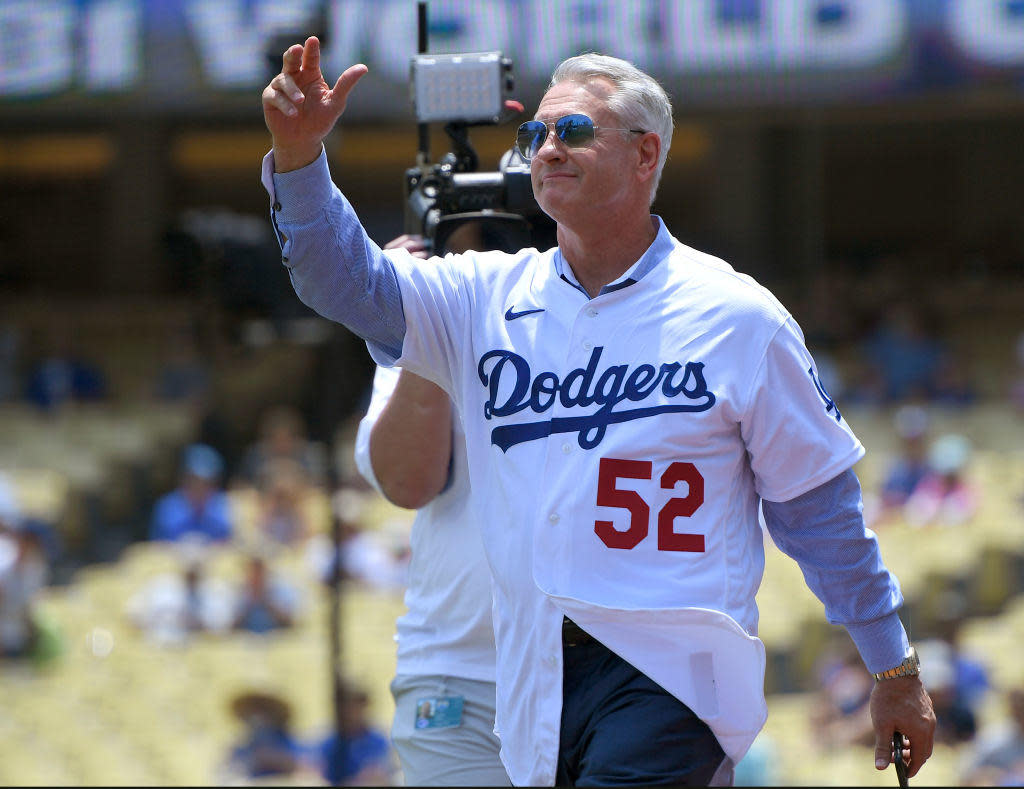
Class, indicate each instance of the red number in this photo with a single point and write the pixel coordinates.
(608, 495)
(668, 539)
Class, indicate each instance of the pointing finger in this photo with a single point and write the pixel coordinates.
(292, 59)
(311, 54)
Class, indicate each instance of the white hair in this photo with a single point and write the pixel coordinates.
(639, 100)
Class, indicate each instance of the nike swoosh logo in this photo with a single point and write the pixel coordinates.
(511, 316)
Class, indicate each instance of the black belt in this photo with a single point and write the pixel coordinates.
(573, 635)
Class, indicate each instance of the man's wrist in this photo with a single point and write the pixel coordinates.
(295, 157)
(910, 666)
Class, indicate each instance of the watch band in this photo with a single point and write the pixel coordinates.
(910, 667)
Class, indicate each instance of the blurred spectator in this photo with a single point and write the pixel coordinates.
(945, 495)
(355, 754)
(904, 474)
(198, 506)
(60, 372)
(282, 518)
(24, 571)
(955, 721)
(267, 748)
(283, 436)
(841, 716)
(997, 758)
(172, 606)
(378, 558)
(905, 354)
(264, 602)
(59, 379)
(970, 676)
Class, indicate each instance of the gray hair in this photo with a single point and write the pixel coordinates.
(639, 100)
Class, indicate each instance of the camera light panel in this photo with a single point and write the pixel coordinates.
(465, 87)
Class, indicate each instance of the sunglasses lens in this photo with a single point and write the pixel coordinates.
(530, 137)
(576, 131)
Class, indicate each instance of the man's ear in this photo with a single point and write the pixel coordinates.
(649, 150)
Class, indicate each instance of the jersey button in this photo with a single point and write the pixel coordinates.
(566, 449)
(554, 517)
(552, 660)
(591, 312)
(588, 345)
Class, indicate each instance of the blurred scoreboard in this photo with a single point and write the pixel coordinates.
(213, 56)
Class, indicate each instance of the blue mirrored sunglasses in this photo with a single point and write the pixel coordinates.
(575, 131)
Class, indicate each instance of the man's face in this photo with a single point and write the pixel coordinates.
(592, 183)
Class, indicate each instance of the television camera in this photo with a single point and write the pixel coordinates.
(449, 196)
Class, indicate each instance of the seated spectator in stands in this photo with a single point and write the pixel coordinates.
(62, 375)
(282, 517)
(377, 558)
(198, 506)
(906, 354)
(906, 471)
(841, 716)
(355, 753)
(283, 436)
(970, 676)
(267, 749)
(945, 495)
(173, 606)
(997, 758)
(955, 721)
(264, 602)
(24, 571)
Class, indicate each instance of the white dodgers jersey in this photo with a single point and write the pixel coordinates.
(617, 449)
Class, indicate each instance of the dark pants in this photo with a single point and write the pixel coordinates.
(621, 728)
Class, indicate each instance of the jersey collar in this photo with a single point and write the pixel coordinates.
(656, 252)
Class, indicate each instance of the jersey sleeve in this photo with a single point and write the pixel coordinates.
(795, 434)
(384, 382)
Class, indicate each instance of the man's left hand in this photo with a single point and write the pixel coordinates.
(902, 704)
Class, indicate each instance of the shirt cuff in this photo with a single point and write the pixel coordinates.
(882, 643)
(298, 195)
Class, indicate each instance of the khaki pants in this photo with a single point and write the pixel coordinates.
(465, 754)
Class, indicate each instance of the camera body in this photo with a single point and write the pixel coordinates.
(469, 90)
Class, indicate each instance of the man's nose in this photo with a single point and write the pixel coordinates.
(551, 148)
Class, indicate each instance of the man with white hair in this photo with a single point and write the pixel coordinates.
(628, 404)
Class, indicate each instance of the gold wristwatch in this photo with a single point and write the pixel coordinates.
(910, 667)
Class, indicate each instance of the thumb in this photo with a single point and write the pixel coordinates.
(345, 83)
(883, 751)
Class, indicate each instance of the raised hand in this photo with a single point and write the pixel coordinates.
(300, 108)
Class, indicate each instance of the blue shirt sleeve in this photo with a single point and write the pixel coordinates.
(824, 531)
(335, 268)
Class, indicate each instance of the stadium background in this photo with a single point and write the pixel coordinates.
(859, 158)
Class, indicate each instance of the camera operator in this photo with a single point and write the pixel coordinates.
(411, 448)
